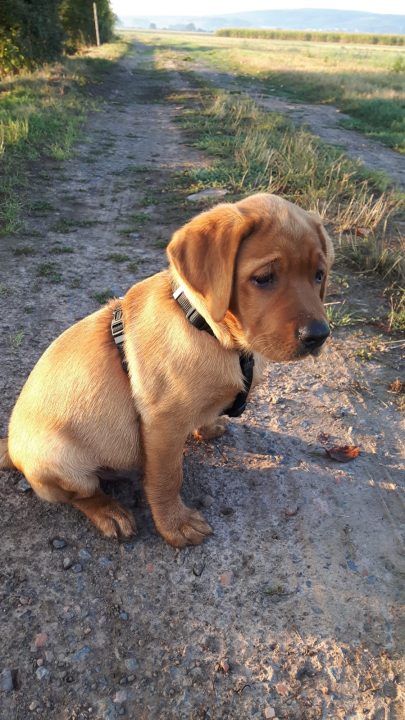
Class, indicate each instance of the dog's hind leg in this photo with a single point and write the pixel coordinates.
(5, 460)
(83, 492)
(213, 431)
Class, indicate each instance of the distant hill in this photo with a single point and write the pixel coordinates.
(307, 19)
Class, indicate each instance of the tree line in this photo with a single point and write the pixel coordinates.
(36, 31)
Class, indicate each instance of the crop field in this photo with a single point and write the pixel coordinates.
(313, 36)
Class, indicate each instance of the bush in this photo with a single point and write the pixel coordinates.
(29, 35)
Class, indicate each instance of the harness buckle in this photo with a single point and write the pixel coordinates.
(117, 331)
(117, 326)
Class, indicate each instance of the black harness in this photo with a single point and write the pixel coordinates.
(246, 360)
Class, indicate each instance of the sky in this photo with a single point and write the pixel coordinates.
(219, 7)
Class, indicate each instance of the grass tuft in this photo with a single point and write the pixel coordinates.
(49, 271)
(103, 296)
(339, 315)
(118, 257)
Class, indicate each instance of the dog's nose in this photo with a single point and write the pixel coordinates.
(314, 334)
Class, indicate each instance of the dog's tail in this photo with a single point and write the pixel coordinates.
(6, 462)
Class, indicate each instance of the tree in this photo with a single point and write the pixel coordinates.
(78, 22)
(36, 31)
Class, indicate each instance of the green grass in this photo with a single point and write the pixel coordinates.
(139, 218)
(41, 207)
(367, 82)
(376, 252)
(41, 117)
(103, 296)
(65, 225)
(381, 119)
(24, 251)
(50, 271)
(339, 315)
(17, 340)
(256, 151)
(61, 250)
(118, 257)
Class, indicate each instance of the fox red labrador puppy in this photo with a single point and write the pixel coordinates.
(245, 284)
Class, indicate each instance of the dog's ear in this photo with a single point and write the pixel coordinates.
(204, 251)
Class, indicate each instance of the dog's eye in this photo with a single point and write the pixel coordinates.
(319, 276)
(263, 281)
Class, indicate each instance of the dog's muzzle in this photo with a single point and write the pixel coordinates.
(313, 336)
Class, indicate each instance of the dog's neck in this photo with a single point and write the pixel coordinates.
(228, 332)
(192, 315)
(246, 360)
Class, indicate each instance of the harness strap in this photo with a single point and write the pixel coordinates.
(247, 363)
(246, 360)
(192, 315)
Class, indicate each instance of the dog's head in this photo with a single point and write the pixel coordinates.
(260, 268)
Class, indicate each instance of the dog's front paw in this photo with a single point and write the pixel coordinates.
(210, 432)
(181, 526)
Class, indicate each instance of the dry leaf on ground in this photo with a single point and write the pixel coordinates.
(343, 453)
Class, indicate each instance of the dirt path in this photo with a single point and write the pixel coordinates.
(324, 121)
(292, 608)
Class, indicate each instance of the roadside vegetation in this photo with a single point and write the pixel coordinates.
(41, 116)
(313, 36)
(367, 83)
(253, 150)
(257, 151)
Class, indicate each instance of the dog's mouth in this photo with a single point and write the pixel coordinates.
(300, 353)
(297, 348)
(303, 352)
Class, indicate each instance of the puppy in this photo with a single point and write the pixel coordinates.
(254, 275)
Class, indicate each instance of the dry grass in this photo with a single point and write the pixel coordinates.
(257, 151)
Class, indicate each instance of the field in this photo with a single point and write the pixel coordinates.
(367, 82)
(292, 609)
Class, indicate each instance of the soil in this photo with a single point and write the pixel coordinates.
(292, 608)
